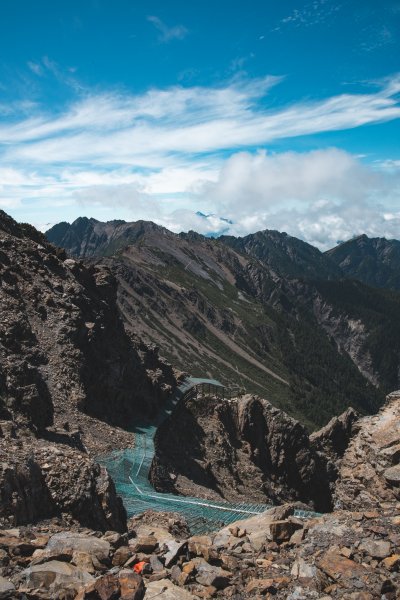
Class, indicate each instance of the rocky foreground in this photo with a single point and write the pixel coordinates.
(351, 553)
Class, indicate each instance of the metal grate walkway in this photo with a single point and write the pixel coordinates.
(130, 470)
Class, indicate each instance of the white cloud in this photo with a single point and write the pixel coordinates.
(177, 32)
(163, 152)
(320, 196)
(125, 129)
(262, 181)
(311, 13)
(35, 68)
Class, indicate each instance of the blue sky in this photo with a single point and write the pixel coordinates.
(269, 114)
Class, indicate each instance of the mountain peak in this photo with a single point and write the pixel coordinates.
(89, 237)
(375, 261)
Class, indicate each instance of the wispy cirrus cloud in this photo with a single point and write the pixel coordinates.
(167, 33)
(35, 67)
(166, 153)
(311, 13)
(122, 128)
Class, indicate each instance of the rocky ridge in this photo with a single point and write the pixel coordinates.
(374, 261)
(245, 448)
(70, 377)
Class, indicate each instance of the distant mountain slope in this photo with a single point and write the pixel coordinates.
(374, 261)
(285, 255)
(308, 345)
(89, 237)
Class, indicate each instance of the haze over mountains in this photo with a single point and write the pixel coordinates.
(267, 312)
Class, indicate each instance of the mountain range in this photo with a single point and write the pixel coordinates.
(267, 313)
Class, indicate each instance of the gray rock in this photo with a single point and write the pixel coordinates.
(174, 549)
(302, 570)
(7, 589)
(54, 576)
(392, 475)
(210, 575)
(144, 544)
(156, 564)
(375, 548)
(68, 542)
(166, 590)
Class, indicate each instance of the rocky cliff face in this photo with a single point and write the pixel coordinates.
(69, 374)
(63, 345)
(247, 450)
(40, 479)
(369, 473)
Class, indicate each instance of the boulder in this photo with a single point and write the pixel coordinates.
(302, 570)
(69, 542)
(54, 576)
(145, 544)
(84, 561)
(339, 567)
(173, 550)
(375, 548)
(166, 590)
(131, 585)
(156, 564)
(121, 555)
(392, 475)
(282, 531)
(7, 589)
(260, 586)
(201, 545)
(210, 575)
(104, 588)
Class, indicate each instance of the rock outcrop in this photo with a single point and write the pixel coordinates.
(370, 468)
(63, 345)
(245, 449)
(333, 439)
(41, 479)
(350, 554)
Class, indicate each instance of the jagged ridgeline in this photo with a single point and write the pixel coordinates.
(267, 313)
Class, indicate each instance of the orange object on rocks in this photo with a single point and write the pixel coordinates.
(138, 568)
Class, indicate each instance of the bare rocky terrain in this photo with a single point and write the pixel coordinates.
(351, 553)
(246, 448)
